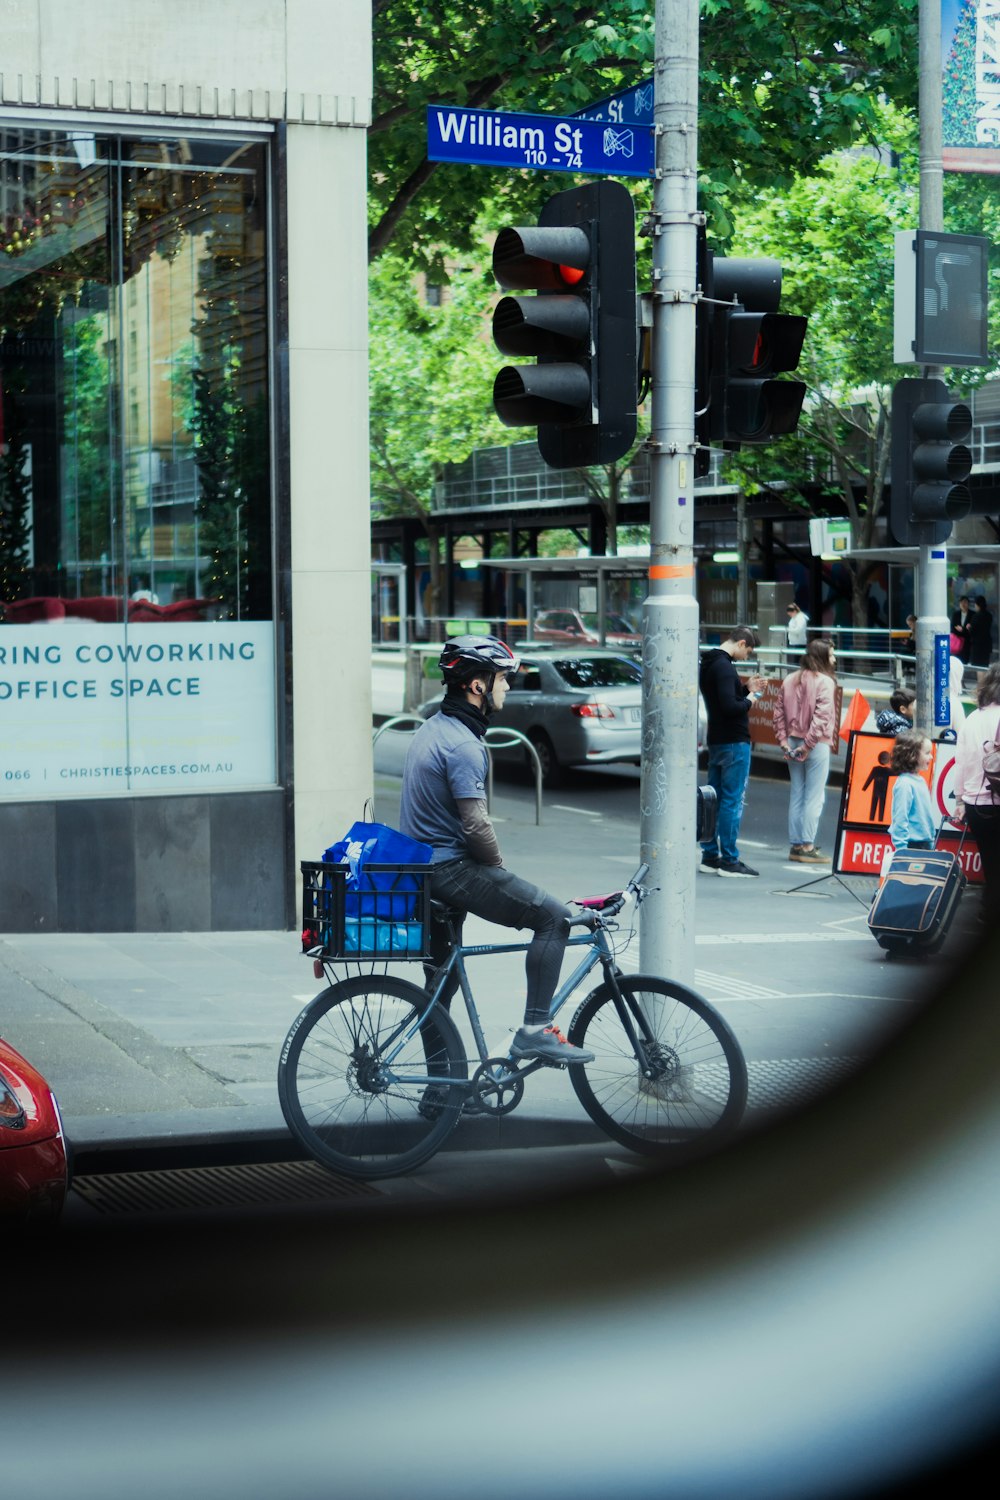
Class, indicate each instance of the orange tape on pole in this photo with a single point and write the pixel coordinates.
(672, 570)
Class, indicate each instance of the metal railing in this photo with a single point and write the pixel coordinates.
(860, 650)
(497, 738)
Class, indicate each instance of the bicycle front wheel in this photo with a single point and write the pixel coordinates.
(689, 1090)
(357, 1079)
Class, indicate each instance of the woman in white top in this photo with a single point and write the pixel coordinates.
(975, 803)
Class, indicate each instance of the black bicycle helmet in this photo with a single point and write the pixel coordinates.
(466, 656)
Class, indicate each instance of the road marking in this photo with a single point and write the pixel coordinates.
(711, 940)
(583, 812)
(735, 989)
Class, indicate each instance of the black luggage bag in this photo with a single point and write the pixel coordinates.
(914, 908)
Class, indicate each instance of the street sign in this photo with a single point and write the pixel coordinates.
(632, 106)
(942, 680)
(491, 138)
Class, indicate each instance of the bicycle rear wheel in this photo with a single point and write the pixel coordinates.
(356, 1104)
(696, 1091)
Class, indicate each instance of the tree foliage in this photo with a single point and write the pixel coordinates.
(782, 83)
(432, 370)
(833, 232)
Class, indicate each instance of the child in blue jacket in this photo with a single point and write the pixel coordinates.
(912, 824)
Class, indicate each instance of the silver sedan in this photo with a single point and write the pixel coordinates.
(577, 708)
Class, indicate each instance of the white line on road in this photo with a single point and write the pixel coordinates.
(735, 989)
(584, 812)
(718, 939)
(718, 988)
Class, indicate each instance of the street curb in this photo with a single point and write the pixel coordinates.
(146, 1143)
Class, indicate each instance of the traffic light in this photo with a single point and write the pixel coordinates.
(580, 326)
(742, 343)
(929, 463)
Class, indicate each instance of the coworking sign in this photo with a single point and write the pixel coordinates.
(492, 138)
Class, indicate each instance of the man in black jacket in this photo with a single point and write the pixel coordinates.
(727, 701)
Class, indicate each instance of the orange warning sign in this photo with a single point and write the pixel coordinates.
(866, 808)
(867, 799)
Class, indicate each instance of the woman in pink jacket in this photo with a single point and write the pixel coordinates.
(805, 723)
(975, 804)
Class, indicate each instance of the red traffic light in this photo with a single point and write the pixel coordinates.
(541, 258)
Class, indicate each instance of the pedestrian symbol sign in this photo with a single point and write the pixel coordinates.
(862, 840)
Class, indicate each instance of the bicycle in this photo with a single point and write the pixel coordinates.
(373, 1075)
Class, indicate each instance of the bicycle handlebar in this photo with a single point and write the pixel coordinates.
(611, 908)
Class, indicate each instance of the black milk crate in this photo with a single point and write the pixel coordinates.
(387, 916)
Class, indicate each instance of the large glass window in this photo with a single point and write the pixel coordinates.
(136, 649)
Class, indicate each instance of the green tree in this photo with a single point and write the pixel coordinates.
(781, 85)
(87, 484)
(15, 502)
(432, 370)
(834, 235)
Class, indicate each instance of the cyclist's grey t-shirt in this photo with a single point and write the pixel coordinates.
(445, 761)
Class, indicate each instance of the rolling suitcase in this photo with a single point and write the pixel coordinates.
(917, 901)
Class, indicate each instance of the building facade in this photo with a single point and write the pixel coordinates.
(184, 501)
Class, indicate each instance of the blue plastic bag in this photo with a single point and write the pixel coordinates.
(366, 936)
(386, 894)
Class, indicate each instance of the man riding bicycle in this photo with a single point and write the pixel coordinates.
(444, 805)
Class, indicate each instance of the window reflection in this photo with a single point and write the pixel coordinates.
(134, 464)
(133, 369)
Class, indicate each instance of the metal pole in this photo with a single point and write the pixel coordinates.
(743, 548)
(670, 615)
(932, 562)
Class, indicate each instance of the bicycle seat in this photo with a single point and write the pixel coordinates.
(596, 903)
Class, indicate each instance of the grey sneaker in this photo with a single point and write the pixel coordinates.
(547, 1043)
(710, 864)
(737, 868)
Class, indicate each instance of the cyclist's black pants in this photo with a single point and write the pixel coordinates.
(492, 892)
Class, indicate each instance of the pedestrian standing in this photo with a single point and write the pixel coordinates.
(727, 704)
(805, 724)
(976, 804)
(798, 628)
(980, 635)
(961, 622)
(911, 822)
